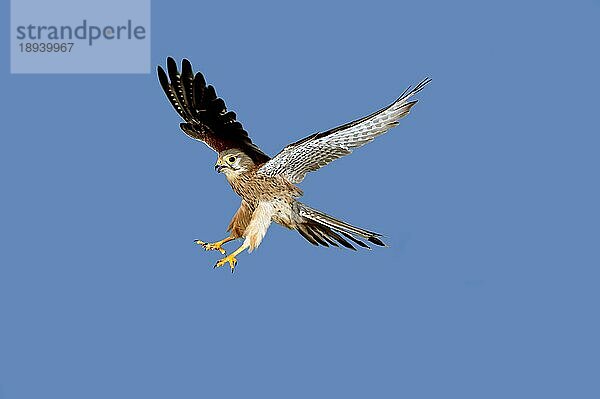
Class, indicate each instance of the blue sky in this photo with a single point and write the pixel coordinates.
(487, 194)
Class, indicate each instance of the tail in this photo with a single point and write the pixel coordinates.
(321, 229)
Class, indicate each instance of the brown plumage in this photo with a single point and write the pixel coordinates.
(267, 186)
(240, 220)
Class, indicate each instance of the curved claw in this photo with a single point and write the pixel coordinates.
(228, 259)
(215, 246)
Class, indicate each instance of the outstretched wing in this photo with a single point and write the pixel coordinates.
(319, 149)
(206, 117)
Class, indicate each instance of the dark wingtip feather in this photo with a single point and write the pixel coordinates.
(186, 66)
(359, 242)
(421, 85)
(316, 236)
(162, 76)
(377, 241)
(169, 92)
(198, 86)
(306, 236)
(211, 93)
(412, 91)
(187, 83)
(199, 80)
(172, 66)
(325, 234)
(347, 245)
(341, 240)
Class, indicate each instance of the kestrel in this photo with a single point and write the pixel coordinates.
(267, 185)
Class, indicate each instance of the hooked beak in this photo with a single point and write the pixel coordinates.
(219, 168)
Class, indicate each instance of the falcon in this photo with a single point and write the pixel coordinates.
(267, 186)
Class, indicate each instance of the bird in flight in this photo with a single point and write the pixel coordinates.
(267, 185)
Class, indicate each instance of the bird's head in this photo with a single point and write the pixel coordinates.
(233, 162)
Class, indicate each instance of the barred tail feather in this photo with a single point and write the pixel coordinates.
(322, 229)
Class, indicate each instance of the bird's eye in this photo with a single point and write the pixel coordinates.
(231, 160)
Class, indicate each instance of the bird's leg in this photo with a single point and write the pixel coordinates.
(215, 246)
(231, 258)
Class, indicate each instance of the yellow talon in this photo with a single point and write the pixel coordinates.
(228, 259)
(215, 246)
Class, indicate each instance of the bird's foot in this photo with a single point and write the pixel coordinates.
(228, 259)
(212, 246)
